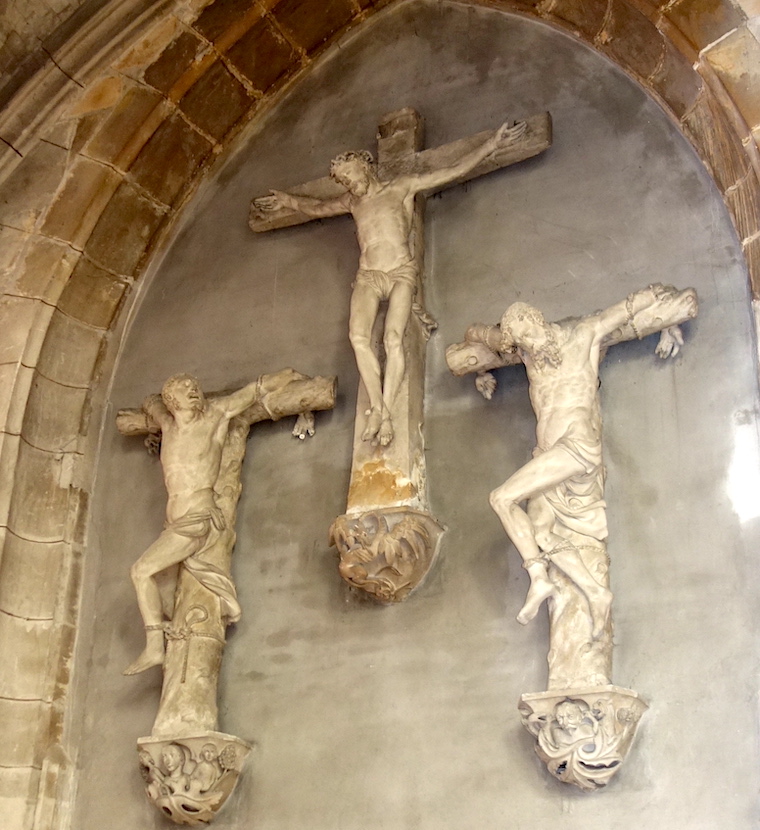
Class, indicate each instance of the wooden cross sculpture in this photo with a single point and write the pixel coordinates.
(388, 538)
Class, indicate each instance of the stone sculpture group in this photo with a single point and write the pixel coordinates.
(388, 539)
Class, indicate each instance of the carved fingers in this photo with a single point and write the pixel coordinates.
(671, 340)
(304, 425)
(507, 135)
(485, 383)
(276, 201)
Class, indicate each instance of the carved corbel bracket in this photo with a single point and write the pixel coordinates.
(386, 553)
(189, 779)
(583, 735)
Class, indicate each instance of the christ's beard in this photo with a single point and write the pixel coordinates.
(546, 355)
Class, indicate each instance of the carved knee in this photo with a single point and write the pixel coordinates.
(393, 340)
(359, 340)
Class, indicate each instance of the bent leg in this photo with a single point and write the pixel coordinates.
(169, 549)
(362, 316)
(540, 473)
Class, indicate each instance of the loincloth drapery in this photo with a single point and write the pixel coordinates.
(383, 282)
(578, 501)
(209, 522)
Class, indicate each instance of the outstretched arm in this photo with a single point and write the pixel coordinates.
(655, 308)
(237, 402)
(504, 136)
(304, 204)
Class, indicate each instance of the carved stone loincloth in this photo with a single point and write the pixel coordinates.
(383, 282)
(208, 523)
(578, 502)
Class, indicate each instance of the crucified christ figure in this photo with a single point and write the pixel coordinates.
(383, 212)
(564, 481)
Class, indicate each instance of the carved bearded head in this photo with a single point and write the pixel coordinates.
(524, 327)
(182, 392)
(353, 170)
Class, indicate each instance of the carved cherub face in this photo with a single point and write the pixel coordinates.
(353, 171)
(208, 753)
(183, 392)
(171, 758)
(569, 716)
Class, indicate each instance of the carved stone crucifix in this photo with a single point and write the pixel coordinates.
(189, 767)
(583, 724)
(388, 538)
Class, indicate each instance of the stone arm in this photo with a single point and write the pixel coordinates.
(479, 353)
(237, 402)
(308, 205)
(655, 308)
(434, 179)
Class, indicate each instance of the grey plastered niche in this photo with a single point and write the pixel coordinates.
(405, 717)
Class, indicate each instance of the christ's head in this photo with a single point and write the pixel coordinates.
(354, 170)
(183, 392)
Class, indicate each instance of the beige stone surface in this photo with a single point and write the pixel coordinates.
(29, 189)
(9, 449)
(39, 509)
(76, 210)
(736, 59)
(46, 267)
(20, 739)
(70, 351)
(54, 415)
(15, 383)
(18, 790)
(23, 321)
(30, 576)
(30, 641)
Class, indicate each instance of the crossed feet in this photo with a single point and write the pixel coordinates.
(379, 429)
(541, 588)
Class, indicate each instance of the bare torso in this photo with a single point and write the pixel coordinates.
(383, 225)
(565, 398)
(191, 454)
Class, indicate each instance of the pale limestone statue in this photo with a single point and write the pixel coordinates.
(383, 212)
(388, 539)
(189, 767)
(562, 533)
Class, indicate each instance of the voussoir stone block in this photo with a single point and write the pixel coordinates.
(736, 61)
(70, 351)
(744, 203)
(704, 21)
(216, 102)
(123, 231)
(312, 22)
(18, 791)
(752, 255)
(170, 159)
(585, 16)
(46, 266)
(29, 576)
(20, 726)
(263, 55)
(118, 129)
(15, 383)
(633, 39)
(222, 15)
(29, 188)
(12, 243)
(677, 82)
(39, 508)
(29, 643)
(9, 451)
(174, 61)
(77, 208)
(53, 415)
(92, 295)
(23, 322)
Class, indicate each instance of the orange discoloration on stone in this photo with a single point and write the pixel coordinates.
(101, 95)
(375, 484)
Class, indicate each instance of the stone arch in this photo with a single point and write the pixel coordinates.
(104, 146)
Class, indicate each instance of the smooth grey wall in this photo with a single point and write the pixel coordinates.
(405, 718)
